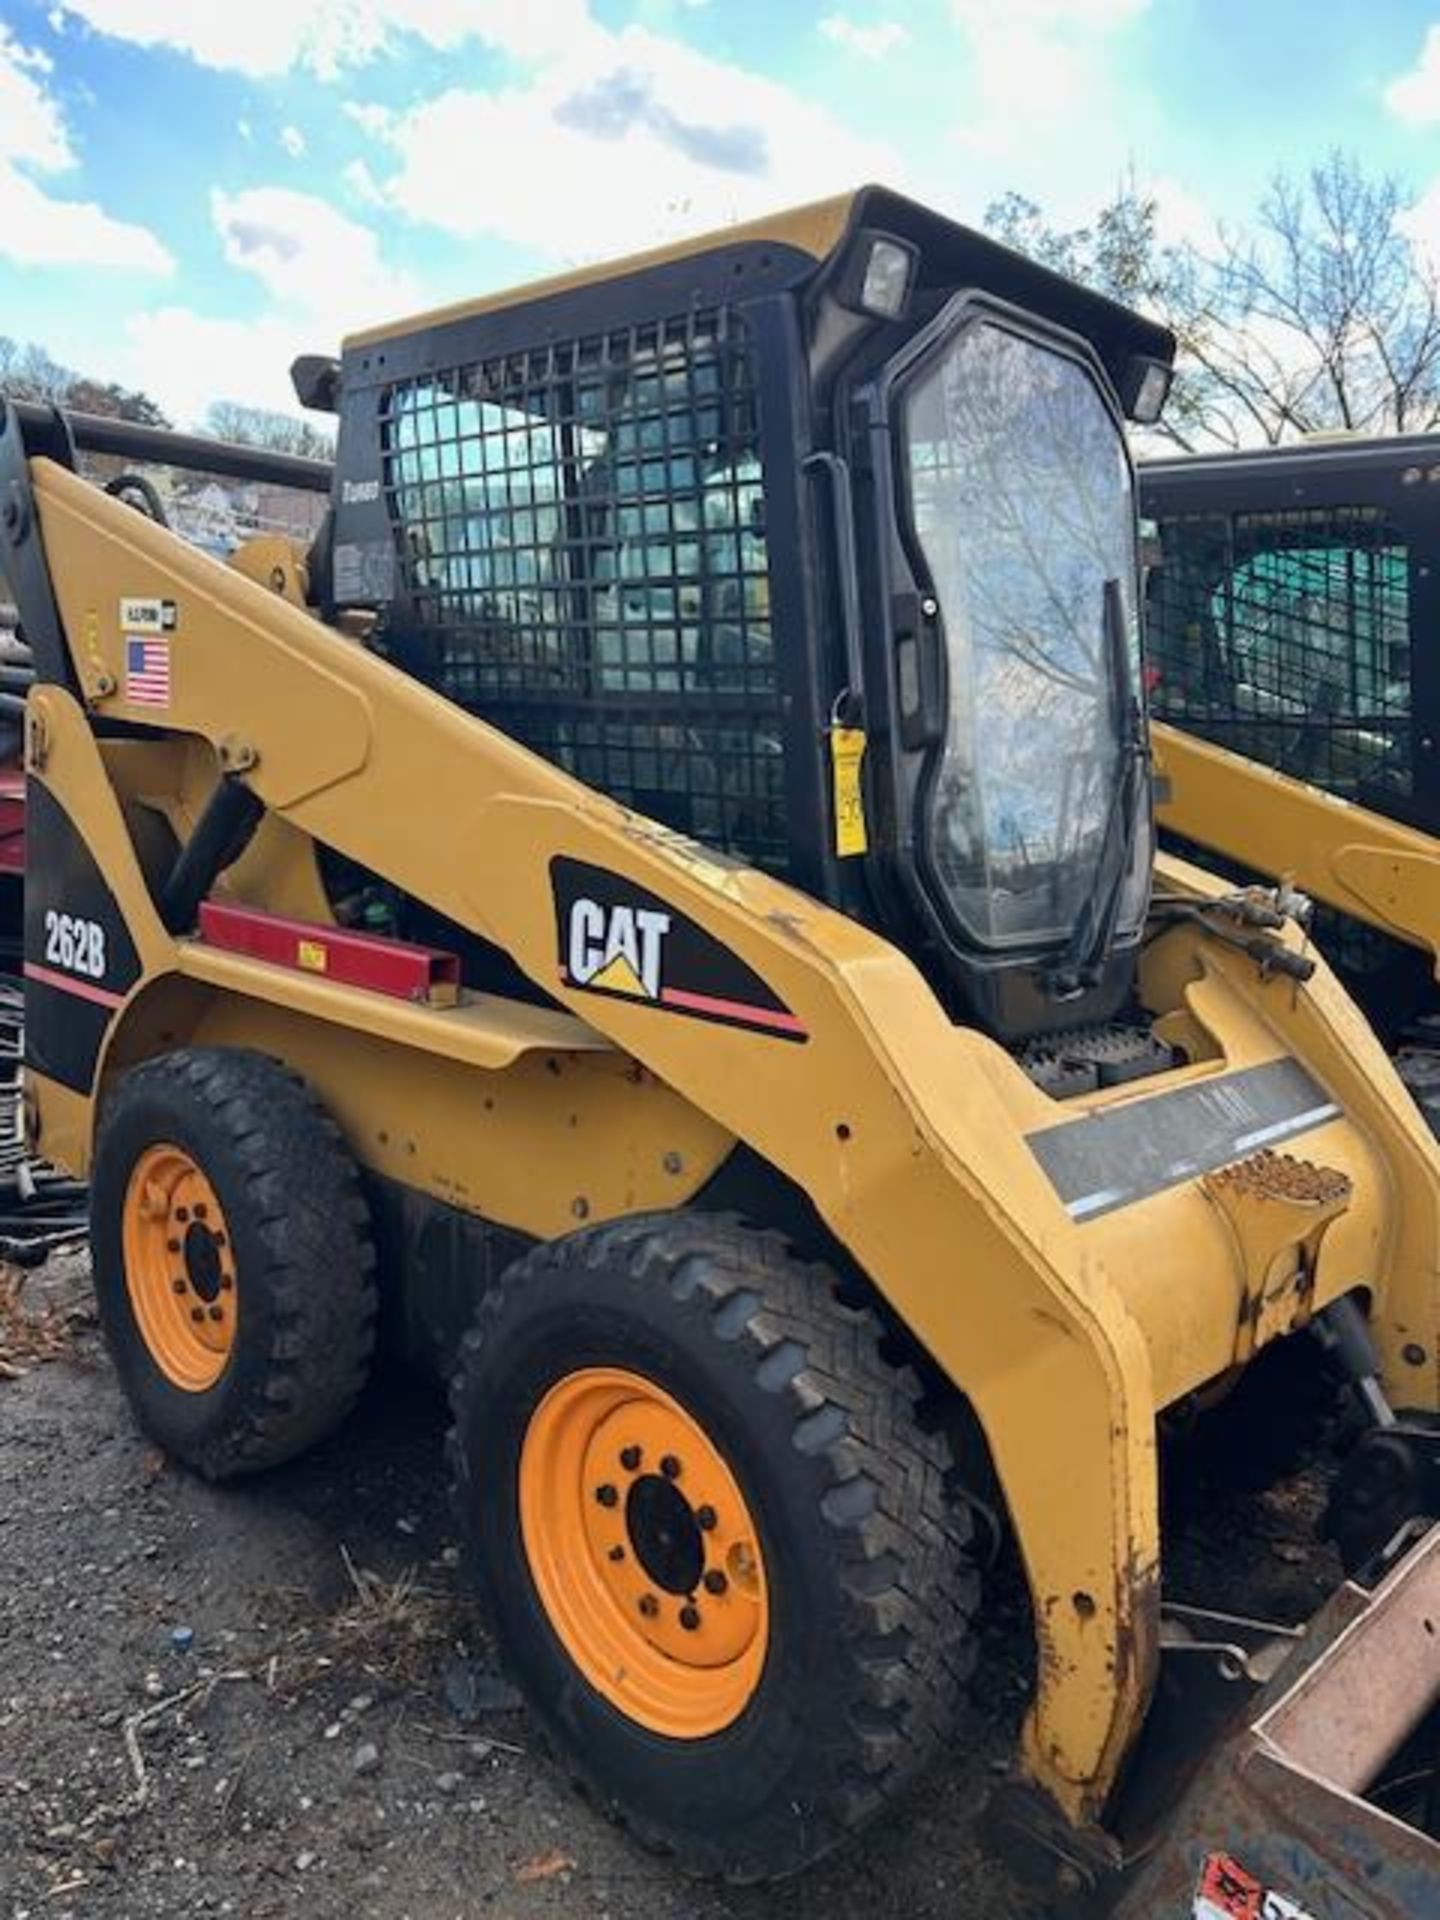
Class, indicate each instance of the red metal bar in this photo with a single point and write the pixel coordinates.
(12, 820)
(339, 954)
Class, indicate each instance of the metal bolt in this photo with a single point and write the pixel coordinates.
(673, 1163)
(217, 1313)
(182, 1213)
(606, 1495)
(617, 1554)
(715, 1581)
(220, 1240)
(630, 1458)
(649, 1605)
(670, 1466)
(580, 1207)
(178, 1285)
(705, 1519)
(201, 1210)
(172, 1246)
(197, 1313)
(689, 1617)
(1413, 1354)
(227, 1280)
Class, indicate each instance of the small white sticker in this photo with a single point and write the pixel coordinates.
(147, 616)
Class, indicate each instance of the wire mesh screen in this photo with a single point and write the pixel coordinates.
(1286, 637)
(582, 535)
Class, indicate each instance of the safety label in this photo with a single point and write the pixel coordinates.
(1228, 1891)
(141, 615)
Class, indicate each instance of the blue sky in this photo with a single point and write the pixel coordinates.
(192, 193)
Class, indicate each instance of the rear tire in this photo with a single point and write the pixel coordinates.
(674, 1351)
(234, 1269)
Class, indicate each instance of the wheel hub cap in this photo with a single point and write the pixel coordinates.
(179, 1268)
(644, 1552)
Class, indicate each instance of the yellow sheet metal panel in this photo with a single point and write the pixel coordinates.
(1363, 863)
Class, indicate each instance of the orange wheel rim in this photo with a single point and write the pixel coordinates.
(179, 1268)
(644, 1552)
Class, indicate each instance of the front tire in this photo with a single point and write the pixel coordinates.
(712, 1537)
(234, 1269)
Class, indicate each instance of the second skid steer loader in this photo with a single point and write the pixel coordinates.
(658, 906)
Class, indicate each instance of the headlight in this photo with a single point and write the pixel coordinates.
(886, 285)
(1147, 388)
(877, 276)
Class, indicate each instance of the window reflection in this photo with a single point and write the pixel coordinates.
(1021, 496)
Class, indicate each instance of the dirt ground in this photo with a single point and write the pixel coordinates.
(272, 1700)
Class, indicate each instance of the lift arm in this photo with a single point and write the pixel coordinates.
(1362, 863)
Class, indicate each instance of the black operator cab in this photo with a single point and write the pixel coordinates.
(814, 540)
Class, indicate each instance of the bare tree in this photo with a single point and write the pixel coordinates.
(260, 427)
(1326, 315)
(1320, 313)
(28, 372)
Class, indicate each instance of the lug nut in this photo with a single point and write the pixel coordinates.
(197, 1313)
(220, 1240)
(649, 1605)
(715, 1581)
(217, 1313)
(617, 1554)
(705, 1519)
(182, 1213)
(227, 1281)
(606, 1495)
(201, 1210)
(178, 1285)
(630, 1458)
(689, 1617)
(172, 1246)
(670, 1467)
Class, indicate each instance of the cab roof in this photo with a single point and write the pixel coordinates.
(811, 238)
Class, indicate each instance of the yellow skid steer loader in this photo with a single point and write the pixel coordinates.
(657, 904)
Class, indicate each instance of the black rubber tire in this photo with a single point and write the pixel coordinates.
(1419, 1068)
(870, 1572)
(304, 1257)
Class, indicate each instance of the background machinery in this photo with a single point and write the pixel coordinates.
(656, 905)
(1287, 621)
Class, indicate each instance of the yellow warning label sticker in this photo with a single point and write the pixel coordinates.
(847, 750)
(311, 955)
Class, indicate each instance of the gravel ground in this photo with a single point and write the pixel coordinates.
(268, 1700)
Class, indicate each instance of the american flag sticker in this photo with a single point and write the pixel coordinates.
(147, 671)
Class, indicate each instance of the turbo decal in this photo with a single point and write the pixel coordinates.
(618, 939)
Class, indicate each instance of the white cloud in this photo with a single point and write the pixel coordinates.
(307, 256)
(1046, 107)
(293, 141)
(872, 39)
(1182, 218)
(624, 140)
(375, 120)
(322, 275)
(327, 36)
(31, 130)
(1415, 96)
(187, 359)
(1421, 224)
(36, 229)
(362, 184)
